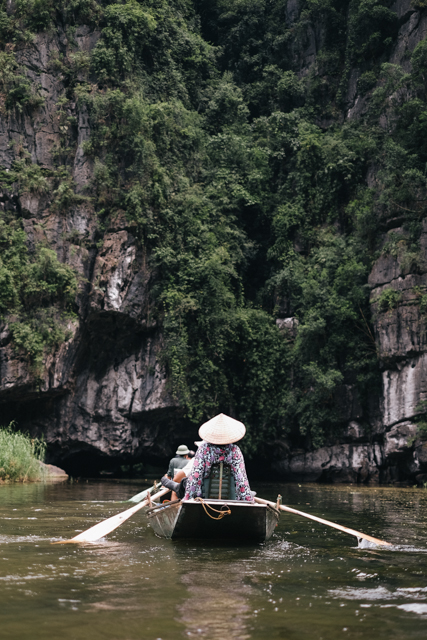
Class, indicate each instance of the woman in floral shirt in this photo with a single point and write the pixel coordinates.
(219, 434)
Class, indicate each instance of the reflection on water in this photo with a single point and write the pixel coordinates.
(308, 582)
(217, 602)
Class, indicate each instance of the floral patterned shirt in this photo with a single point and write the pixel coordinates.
(209, 454)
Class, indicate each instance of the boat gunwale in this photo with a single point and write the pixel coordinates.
(237, 503)
(194, 501)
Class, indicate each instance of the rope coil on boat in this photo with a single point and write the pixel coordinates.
(221, 512)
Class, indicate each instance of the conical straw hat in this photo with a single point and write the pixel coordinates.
(222, 430)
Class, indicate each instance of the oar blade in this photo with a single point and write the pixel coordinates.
(105, 527)
(328, 523)
(102, 529)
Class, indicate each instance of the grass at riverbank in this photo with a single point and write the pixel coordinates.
(20, 457)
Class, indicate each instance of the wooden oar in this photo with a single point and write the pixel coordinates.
(107, 526)
(352, 532)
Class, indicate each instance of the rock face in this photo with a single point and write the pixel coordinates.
(340, 463)
(103, 393)
(388, 451)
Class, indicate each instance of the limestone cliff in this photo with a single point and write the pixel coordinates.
(383, 446)
(103, 394)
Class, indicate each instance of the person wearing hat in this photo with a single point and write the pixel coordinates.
(220, 435)
(178, 482)
(179, 461)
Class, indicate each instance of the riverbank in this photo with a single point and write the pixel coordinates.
(22, 459)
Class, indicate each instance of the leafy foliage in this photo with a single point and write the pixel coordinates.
(20, 456)
(16, 91)
(247, 190)
(388, 300)
(36, 291)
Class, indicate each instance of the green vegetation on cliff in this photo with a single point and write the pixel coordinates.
(219, 128)
(36, 290)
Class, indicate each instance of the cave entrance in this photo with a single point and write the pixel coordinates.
(92, 464)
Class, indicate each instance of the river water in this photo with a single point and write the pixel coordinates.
(308, 582)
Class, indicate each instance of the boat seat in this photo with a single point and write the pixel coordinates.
(220, 484)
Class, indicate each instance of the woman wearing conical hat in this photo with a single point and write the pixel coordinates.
(220, 435)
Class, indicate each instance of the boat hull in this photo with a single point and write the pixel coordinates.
(193, 519)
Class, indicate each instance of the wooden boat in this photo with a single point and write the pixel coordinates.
(218, 515)
(214, 519)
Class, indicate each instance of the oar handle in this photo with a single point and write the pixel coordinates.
(352, 532)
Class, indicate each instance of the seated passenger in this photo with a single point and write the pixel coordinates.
(219, 435)
(179, 461)
(177, 487)
(180, 475)
(185, 471)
